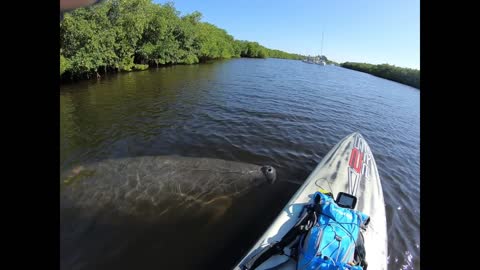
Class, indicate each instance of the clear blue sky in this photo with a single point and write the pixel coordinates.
(372, 31)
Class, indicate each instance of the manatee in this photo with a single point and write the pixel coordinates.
(132, 213)
(152, 185)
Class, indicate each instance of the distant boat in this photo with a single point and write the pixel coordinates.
(316, 59)
(307, 60)
(321, 62)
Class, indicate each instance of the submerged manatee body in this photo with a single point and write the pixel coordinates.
(121, 214)
(149, 186)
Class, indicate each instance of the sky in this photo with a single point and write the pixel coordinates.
(370, 31)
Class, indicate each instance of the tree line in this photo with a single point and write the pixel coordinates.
(406, 76)
(125, 35)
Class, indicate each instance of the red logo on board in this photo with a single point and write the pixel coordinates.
(356, 160)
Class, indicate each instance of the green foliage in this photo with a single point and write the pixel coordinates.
(214, 42)
(251, 49)
(406, 76)
(64, 64)
(123, 35)
(140, 67)
(284, 55)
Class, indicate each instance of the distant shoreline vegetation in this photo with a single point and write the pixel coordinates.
(126, 35)
(406, 76)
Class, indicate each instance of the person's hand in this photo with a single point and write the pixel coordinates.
(66, 5)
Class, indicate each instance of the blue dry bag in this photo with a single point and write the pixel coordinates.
(330, 243)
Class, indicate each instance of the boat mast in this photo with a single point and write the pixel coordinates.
(321, 50)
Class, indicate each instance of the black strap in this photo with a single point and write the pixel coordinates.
(360, 252)
(301, 227)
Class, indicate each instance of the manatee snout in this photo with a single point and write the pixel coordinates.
(270, 173)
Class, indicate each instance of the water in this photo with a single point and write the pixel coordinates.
(279, 112)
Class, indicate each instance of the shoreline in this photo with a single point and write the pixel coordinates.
(102, 74)
(406, 76)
